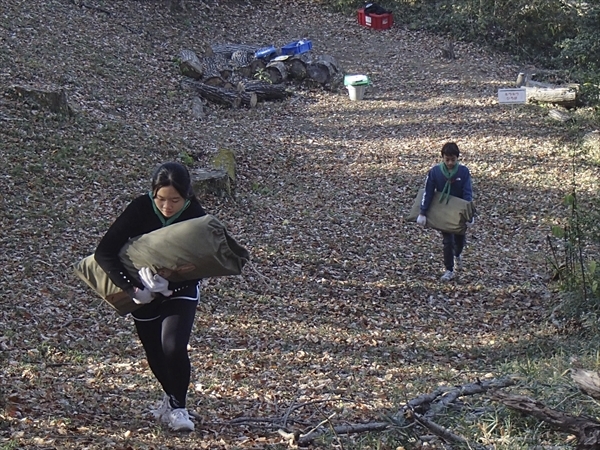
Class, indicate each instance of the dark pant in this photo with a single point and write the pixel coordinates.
(453, 246)
(164, 330)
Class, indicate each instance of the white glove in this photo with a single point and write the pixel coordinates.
(142, 296)
(471, 223)
(422, 220)
(154, 283)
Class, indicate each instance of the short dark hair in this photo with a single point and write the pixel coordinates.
(176, 175)
(450, 149)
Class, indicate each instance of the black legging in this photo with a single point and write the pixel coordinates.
(453, 246)
(165, 333)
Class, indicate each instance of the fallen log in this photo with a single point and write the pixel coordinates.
(296, 66)
(330, 60)
(587, 429)
(190, 65)
(257, 65)
(322, 70)
(525, 79)
(566, 97)
(241, 58)
(249, 99)
(231, 98)
(216, 70)
(420, 410)
(264, 90)
(229, 49)
(277, 72)
(588, 381)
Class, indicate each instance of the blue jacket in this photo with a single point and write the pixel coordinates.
(460, 185)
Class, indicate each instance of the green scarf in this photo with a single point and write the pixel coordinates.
(448, 175)
(171, 219)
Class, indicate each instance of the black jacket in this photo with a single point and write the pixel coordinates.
(137, 219)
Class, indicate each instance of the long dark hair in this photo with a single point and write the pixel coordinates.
(176, 175)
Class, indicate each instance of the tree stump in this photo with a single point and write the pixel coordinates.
(207, 181)
(224, 159)
(197, 108)
(448, 51)
(55, 101)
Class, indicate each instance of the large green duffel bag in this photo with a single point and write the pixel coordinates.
(188, 250)
(450, 217)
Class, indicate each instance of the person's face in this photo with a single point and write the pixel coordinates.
(168, 201)
(450, 161)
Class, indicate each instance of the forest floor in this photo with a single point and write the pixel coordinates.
(341, 310)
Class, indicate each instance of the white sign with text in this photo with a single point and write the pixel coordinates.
(512, 96)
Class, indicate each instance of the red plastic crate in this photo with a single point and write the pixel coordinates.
(375, 21)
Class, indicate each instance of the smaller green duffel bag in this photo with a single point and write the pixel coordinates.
(450, 217)
(189, 250)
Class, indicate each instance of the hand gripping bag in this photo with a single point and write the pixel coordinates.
(449, 217)
(189, 250)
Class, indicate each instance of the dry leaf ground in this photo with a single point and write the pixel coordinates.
(342, 305)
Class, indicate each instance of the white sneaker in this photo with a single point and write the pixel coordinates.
(458, 262)
(448, 275)
(179, 420)
(162, 412)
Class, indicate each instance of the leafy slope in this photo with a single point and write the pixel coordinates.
(342, 310)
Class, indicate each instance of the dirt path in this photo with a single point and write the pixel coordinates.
(344, 302)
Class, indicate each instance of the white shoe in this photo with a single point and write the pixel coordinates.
(458, 262)
(448, 275)
(179, 420)
(162, 412)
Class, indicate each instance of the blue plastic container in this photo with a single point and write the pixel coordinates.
(296, 47)
(265, 52)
